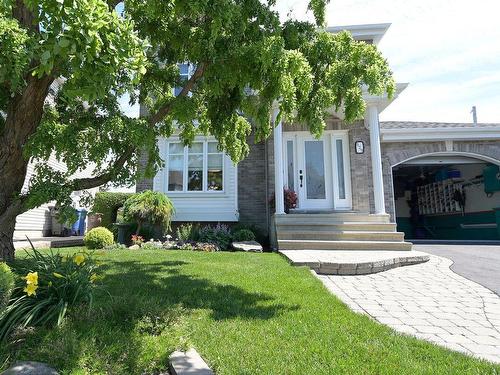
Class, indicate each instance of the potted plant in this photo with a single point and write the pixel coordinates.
(290, 198)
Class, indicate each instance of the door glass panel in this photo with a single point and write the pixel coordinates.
(289, 159)
(315, 170)
(340, 168)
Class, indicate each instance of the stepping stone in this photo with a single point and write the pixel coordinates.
(188, 363)
(30, 368)
(248, 246)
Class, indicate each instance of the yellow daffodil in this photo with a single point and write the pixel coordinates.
(93, 277)
(31, 278)
(79, 259)
(58, 275)
(31, 289)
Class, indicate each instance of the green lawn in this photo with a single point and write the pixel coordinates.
(244, 313)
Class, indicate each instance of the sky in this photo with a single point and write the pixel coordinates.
(448, 51)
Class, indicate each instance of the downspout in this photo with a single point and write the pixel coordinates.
(266, 177)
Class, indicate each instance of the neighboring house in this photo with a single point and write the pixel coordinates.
(37, 222)
(344, 180)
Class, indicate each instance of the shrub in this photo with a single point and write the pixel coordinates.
(50, 285)
(149, 207)
(188, 232)
(259, 233)
(98, 238)
(243, 235)
(219, 235)
(107, 204)
(6, 285)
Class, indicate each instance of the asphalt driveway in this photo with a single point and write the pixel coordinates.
(479, 263)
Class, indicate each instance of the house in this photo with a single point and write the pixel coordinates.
(353, 184)
(37, 222)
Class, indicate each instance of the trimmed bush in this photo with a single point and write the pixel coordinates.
(260, 236)
(149, 207)
(243, 235)
(107, 204)
(98, 238)
(219, 235)
(6, 284)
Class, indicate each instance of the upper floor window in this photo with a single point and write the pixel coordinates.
(199, 167)
(184, 76)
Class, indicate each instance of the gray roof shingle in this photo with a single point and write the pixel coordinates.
(432, 125)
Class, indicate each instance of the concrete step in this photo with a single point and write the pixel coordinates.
(313, 225)
(342, 245)
(336, 235)
(331, 217)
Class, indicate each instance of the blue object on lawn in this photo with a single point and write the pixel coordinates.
(78, 227)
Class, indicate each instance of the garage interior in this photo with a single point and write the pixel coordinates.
(447, 198)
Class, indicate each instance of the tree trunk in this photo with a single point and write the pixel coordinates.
(6, 244)
(24, 114)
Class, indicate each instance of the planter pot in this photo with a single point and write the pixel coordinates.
(94, 220)
(125, 231)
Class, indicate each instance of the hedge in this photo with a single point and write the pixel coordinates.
(107, 204)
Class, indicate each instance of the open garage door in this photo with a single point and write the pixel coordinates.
(447, 198)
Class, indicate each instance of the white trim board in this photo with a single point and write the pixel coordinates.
(439, 134)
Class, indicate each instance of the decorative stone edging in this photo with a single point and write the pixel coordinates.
(334, 262)
(365, 268)
(188, 363)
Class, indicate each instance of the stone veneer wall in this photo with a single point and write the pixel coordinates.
(252, 186)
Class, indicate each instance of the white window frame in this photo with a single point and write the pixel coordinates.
(186, 76)
(185, 170)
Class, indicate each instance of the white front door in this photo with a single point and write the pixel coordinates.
(318, 170)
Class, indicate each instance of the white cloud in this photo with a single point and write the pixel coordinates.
(447, 50)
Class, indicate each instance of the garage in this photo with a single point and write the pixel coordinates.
(450, 197)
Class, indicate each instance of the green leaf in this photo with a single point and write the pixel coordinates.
(63, 42)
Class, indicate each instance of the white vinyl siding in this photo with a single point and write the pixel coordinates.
(37, 222)
(198, 205)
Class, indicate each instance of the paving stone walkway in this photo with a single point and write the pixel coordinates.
(428, 301)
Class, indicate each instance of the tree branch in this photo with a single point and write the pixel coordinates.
(166, 108)
(24, 16)
(92, 182)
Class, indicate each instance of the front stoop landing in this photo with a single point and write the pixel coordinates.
(338, 231)
(353, 262)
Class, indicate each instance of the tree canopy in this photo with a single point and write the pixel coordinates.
(70, 61)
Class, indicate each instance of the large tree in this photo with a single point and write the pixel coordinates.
(64, 64)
